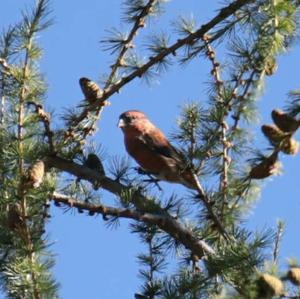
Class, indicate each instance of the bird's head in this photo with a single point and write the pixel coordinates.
(133, 119)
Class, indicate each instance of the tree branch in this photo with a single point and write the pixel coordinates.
(139, 23)
(190, 39)
(205, 199)
(162, 219)
(45, 118)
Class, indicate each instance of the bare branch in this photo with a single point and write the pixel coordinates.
(97, 209)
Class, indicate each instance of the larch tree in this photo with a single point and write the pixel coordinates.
(219, 257)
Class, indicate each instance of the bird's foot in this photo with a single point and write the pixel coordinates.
(151, 179)
(140, 170)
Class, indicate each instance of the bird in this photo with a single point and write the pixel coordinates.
(90, 89)
(150, 148)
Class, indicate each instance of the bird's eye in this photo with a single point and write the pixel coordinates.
(127, 119)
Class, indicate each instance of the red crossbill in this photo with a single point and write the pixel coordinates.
(152, 151)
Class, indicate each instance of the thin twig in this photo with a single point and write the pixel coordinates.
(45, 118)
(205, 199)
(211, 54)
(237, 116)
(280, 229)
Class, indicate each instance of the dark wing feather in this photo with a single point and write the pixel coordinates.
(158, 143)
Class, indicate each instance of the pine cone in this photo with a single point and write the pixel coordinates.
(266, 168)
(93, 162)
(269, 285)
(90, 89)
(271, 66)
(14, 219)
(274, 135)
(293, 275)
(284, 122)
(36, 173)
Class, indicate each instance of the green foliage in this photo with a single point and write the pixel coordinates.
(215, 144)
(25, 260)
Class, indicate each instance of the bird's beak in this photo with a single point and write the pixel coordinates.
(121, 123)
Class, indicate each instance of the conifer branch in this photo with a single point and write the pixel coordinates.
(214, 36)
(127, 44)
(190, 39)
(5, 71)
(31, 26)
(161, 218)
(151, 261)
(248, 83)
(6, 67)
(2, 100)
(45, 119)
(205, 199)
(280, 230)
(22, 196)
(211, 54)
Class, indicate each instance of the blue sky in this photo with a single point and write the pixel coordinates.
(96, 262)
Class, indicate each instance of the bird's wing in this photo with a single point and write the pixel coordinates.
(157, 142)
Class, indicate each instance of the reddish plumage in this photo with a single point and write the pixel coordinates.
(152, 151)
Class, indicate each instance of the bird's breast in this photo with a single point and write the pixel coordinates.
(151, 161)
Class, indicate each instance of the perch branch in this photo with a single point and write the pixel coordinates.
(162, 219)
